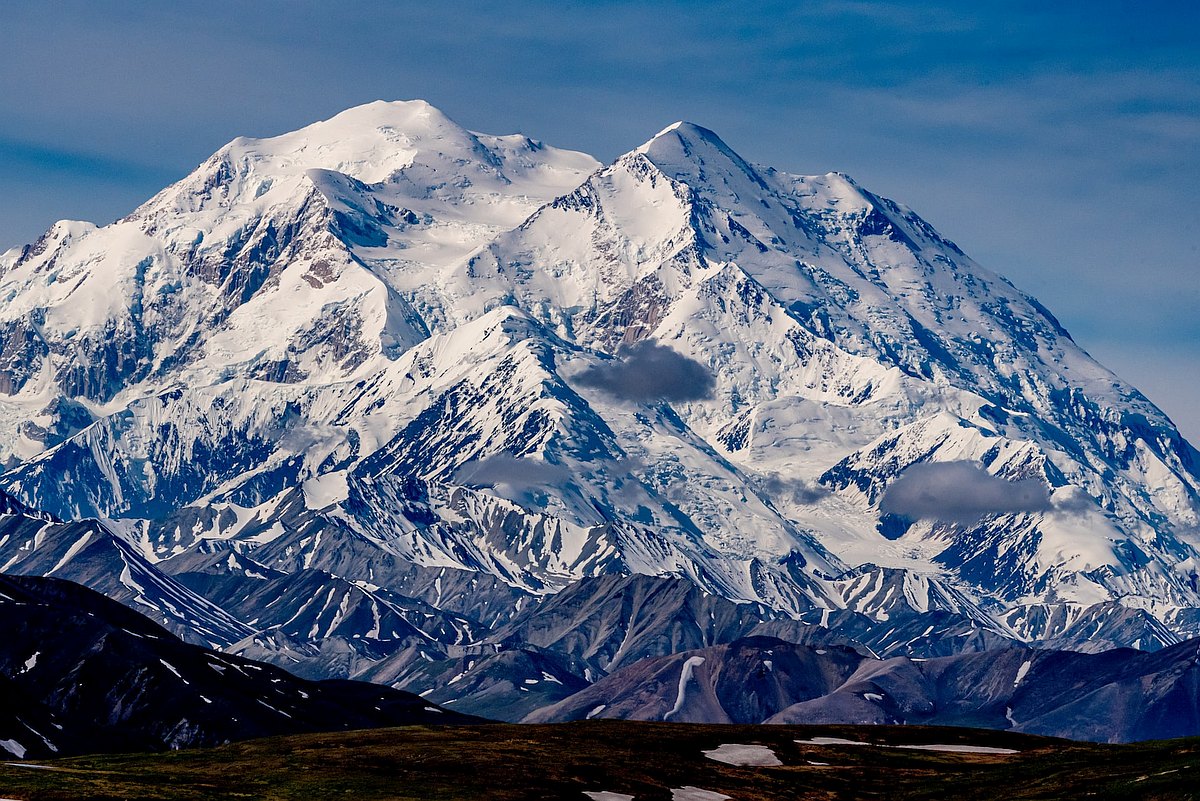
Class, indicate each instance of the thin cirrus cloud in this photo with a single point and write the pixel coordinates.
(505, 468)
(796, 490)
(960, 492)
(647, 372)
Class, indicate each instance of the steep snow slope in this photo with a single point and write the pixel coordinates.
(377, 336)
(243, 268)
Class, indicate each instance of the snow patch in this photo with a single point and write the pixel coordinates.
(744, 755)
(685, 676)
(324, 491)
(1022, 671)
(14, 748)
(950, 748)
(958, 749)
(689, 793)
(174, 670)
(71, 552)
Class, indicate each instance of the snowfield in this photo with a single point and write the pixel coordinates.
(383, 338)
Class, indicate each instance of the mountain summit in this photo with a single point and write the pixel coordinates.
(409, 356)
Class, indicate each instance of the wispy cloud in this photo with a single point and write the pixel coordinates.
(30, 159)
(795, 490)
(504, 468)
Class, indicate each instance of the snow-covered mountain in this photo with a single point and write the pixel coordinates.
(395, 353)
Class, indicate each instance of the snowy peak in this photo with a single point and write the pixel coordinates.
(409, 146)
(684, 143)
(410, 140)
(370, 143)
(61, 234)
(698, 157)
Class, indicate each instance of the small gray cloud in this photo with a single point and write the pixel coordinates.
(795, 489)
(504, 468)
(960, 492)
(648, 372)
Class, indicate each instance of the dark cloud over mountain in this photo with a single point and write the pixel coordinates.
(647, 371)
(960, 492)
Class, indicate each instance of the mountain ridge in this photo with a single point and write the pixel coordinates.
(89, 675)
(369, 336)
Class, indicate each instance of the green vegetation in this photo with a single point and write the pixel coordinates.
(645, 760)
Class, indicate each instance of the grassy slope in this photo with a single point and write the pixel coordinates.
(640, 759)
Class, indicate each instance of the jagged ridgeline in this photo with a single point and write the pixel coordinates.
(359, 397)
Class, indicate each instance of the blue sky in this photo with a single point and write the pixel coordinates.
(1059, 146)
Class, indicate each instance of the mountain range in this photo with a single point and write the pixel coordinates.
(488, 420)
(82, 674)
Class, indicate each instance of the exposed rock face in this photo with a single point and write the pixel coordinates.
(1119, 696)
(611, 622)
